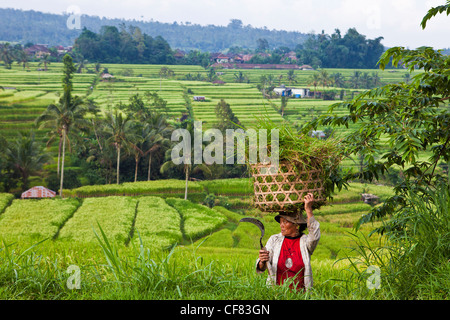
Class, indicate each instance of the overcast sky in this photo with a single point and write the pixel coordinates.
(398, 21)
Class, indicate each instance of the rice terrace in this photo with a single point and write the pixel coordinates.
(125, 222)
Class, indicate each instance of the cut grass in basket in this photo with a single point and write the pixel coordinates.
(307, 164)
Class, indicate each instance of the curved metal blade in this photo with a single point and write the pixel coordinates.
(258, 224)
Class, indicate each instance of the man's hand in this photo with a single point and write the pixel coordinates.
(263, 258)
(309, 199)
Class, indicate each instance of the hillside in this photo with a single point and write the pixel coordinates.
(38, 27)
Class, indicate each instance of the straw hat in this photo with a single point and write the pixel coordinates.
(294, 218)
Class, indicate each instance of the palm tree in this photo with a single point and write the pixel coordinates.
(291, 77)
(325, 79)
(376, 79)
(25, 156)
(45, 61)
(64, 117)
(355, 79)
(22, 58)
(280, 78)
(97, 67)
(68, 114)
(120, 128)
(157, 136)
(407, 77)
(188, 124)
(239, 77)
(338, 79)
(81, 64)
(6, 55)
(262, 84)
(314, 80)
(137, 146)
(366, 80)
(165, 73)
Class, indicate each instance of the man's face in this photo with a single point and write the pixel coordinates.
(288, 228)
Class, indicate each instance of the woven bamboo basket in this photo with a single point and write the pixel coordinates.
(284, 190)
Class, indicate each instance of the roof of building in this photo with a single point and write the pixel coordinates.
(38, 192)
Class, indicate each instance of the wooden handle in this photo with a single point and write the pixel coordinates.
(267, 262)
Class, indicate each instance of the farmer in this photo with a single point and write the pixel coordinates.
(288, 254)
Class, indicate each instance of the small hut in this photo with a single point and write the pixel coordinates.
(38, 192)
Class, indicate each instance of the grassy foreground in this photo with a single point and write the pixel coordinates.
(172, 249)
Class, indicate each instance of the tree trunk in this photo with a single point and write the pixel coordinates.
(149, 167)
(136, 168)
(59, 157)
(118, 164)
(62, 163)
(187, 177)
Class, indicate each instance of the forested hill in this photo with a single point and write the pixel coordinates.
(45, 28)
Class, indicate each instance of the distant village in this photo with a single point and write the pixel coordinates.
(240, 61)
(39, 50)
(218, 60)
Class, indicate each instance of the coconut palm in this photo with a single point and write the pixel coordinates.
(240, 77)
(45, 61)
(6, 55)
(25, 156)
(325, 79)
(69, 113)
(291, 77)
(22, 58)
(120, 129)
(355, 79)
(157, 136)
(407, 77)
(314, 80)
(366, 80)
(165, 73)
(82, 64)
(63, 117)
(137, 146)
(338, 79)
(376, 79)
(188, 168)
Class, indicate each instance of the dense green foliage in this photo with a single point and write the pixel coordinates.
(38, 27)
(113, 46)
(398, 123)
(352, 50)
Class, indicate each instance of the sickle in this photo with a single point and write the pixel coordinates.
(261, 227)
(258, 224)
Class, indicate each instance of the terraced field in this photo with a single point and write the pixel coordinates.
(161, 220)
(157, 222)
(245, 101)
(26, 94)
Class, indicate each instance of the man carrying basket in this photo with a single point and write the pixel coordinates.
(288, 254)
